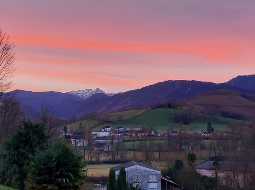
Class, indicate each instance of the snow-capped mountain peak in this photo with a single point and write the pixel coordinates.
(86, 93)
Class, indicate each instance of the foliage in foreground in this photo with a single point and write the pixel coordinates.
(21, 149)
(112, 180)
(119, 182)
(187, 177)
(5, 188)
(58, 168)
(29, 162)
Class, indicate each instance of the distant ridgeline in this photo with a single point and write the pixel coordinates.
(236, 93)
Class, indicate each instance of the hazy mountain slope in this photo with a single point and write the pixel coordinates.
(58, 104)
(160, 93)
(243, 82)
(66, 105)
(228, 103)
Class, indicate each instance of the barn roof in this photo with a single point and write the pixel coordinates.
(133, 163)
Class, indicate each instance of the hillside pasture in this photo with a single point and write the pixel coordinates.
(160, 119)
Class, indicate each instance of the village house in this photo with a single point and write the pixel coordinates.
(205, 133)
(140, 132)
(98, 134)
(141, 175)
(229, 173)
(120, 132)
(102, 146)
(104, 132)
(106, 129)
(76, 139)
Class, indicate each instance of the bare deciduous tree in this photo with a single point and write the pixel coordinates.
(6, 61)
(10, 112)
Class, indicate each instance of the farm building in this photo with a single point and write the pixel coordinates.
(230, 173)
(141, 175)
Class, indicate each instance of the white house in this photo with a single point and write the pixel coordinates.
(141, 175)
(101, 134)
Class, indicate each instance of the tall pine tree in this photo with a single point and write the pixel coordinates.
(112, 185)
(58, 167)
(122, 180)
(21, 149)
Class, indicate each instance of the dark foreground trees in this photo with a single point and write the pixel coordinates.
(191, 158)
(122, 180)
(112, 185)
(58, 168)
(29, 162)
(21, 149)
(119, 182)
(11, 117)
(188, 178)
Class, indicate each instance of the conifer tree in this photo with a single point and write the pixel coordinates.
(21, 149)
(112, 181)
(122, 180)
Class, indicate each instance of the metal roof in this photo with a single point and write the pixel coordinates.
(133, 163)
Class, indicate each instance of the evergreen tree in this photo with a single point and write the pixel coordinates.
(21, 149)
(210, 129)
(122, 180)
(174, 171)
(191, 159)
(178, 165)
(58, 168)
(112, 181)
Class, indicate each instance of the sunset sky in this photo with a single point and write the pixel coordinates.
(117, 45)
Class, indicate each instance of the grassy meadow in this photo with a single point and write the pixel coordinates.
(160, 119)
(99, 170)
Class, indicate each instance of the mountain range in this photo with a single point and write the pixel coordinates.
(87, 93)
(77, 104)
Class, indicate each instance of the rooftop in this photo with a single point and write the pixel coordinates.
(133, 163)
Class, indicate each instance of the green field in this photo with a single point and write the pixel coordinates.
(160, 119)
(163, 119)
(99, 170)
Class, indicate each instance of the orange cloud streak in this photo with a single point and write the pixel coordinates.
(78, 77)
(212, 50)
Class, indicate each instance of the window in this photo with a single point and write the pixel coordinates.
(152, 185)
(152, 178)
